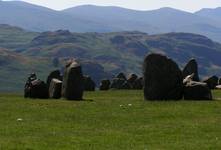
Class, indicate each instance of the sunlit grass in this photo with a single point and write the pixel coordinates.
(109, 120)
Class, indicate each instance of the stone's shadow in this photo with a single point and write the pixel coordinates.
(216, 99)
(182, 100)
(88, 100)
(62, 99)
(83, 100)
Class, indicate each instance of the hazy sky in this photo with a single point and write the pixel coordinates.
(188, 5)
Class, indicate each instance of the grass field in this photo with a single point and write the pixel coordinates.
(109, 120)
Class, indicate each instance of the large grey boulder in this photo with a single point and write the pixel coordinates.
(55, 89)
(73, 82)
(197, 91)
(162, 78)
(36, 89)
(54, 75)
(212, 82)
(191, 68)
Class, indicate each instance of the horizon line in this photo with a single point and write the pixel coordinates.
(97, 5)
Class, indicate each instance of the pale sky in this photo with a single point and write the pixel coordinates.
(187, 5)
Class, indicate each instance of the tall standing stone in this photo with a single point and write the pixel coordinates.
(190, 68)
(162, 78)
(73, 82)
(38, 89)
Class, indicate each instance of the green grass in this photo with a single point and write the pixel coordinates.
(100, 122)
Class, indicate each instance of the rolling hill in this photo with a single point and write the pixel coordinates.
(102, 54)
(125, 51)
(12, 37)
(15, 68)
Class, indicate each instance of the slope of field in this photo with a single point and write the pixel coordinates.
(106, 121)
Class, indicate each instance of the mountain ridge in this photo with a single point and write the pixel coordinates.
(91, 18)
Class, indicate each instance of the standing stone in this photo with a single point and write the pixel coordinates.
(132, 77)
(38, 89)
(105, 85)
(138, 84)
(73, 83)
(121, 76)
(54, 75)
(212, 82)
(89, 84)
(219, 82)
(118, 83)
(162, 78)
(191, 68)
(197, 91)
(131, 80)
(55, 89)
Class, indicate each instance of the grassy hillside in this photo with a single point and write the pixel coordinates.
(125, 51)
(15, 68)
(102, 54)
(106, 121)
(14, 37)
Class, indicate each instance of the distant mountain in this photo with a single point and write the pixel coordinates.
(90, 18)
(210, 13)
(37, 18)
(161, 20)
(156, 21)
